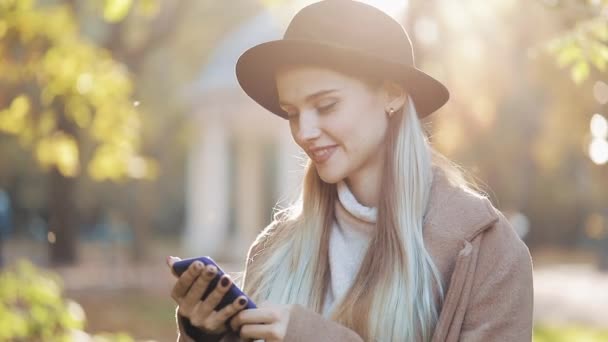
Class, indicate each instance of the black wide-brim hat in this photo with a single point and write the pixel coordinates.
(340, 32)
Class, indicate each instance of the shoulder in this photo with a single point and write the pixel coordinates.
(457, 213)
(458, 217)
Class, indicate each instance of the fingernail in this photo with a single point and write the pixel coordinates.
(225, 281)
(242, 301)
(210, 271)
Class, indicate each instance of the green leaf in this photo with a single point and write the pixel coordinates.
(599, 55)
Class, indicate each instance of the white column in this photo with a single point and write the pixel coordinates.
(249, 194)
(207, 190)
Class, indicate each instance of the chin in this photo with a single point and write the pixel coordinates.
(330, 177)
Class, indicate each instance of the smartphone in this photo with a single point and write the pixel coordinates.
(233, 293)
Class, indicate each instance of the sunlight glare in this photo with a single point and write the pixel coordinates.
(599, 126)
(598, 151)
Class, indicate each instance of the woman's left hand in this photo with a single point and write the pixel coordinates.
(268, 322)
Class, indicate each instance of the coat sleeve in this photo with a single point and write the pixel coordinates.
(502, 296)
(307, 325)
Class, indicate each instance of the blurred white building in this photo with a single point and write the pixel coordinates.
(244, 159)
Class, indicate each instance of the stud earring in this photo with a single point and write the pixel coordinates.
(390, 112)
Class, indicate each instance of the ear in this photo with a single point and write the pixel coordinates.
(394, 95)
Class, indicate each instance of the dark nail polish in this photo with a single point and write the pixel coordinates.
(225, 282)
(242, 301)
(210, 272)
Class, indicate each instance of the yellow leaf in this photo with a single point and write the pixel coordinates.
(61, 151)
(3, 28)
(13, 120)
(78, 111)
(580, 72)
(107, 163)
(47, 122)
(116, 10)
(66, 157)
(149, 8)
(569, 54)
(20, 106)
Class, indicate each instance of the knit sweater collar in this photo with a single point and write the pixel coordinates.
(352, 215)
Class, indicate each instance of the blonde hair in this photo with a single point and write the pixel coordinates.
(393, 295)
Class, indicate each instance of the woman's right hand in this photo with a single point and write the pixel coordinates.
(189, 289)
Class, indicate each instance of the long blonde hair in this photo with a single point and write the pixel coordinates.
(392, 297)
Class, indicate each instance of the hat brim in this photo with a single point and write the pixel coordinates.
(256, 67)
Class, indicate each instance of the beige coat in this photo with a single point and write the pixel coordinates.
(487, 272)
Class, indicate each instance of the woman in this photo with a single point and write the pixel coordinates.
(387, 241)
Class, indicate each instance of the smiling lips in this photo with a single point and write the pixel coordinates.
(321, 155)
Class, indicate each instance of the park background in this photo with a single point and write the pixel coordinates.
(124, 138)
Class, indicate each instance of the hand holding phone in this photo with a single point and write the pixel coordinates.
(206, 297)
(233, 293)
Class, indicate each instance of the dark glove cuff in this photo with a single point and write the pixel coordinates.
(197, 334)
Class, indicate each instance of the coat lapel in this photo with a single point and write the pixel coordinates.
(455, 218)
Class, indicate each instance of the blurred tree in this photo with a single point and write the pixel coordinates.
(584, 44)
(77, 77)
(32, 308)
(68, 102)
(512, 119)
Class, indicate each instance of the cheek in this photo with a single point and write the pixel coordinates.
(366, 134)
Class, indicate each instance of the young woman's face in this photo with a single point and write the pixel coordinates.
(339, 121)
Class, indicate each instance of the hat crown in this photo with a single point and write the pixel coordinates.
(354, 25)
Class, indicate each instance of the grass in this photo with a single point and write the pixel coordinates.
(570, 333)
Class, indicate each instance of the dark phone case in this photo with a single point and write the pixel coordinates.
(233, 293)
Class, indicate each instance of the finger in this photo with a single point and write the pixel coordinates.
(170, 261)
(185, 280)
(229, 311)
(260, 331)
(215, 297)
(240, 303)
(199, 286)
(218, 319)
(257, 316)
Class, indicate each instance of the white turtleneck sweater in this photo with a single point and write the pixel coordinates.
(351, 232)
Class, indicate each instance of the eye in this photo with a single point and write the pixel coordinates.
(327, 108)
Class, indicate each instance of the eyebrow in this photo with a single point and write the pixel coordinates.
(314, 95)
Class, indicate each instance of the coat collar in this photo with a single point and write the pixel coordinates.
(465, 213)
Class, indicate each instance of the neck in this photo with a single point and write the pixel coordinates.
(365, 184)
(353, 207)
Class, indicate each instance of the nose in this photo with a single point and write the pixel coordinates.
(308, 127)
